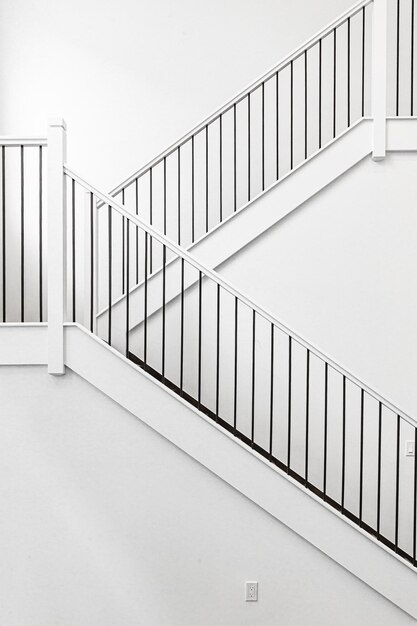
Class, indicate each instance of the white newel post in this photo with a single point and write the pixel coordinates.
(379, 78)
(56, 245)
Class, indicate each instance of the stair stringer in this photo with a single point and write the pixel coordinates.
(253, 219)
(239, 466)
(242, 468)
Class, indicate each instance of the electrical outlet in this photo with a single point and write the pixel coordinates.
(251, 591)
(409, 448)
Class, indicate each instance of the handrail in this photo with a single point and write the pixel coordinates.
(243, 93)
(10, 141)
(215, 277)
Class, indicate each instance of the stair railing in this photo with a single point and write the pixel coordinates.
(300, 105)
(192, 331)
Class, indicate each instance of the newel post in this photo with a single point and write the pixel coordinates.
(56, 245)
(379, 78)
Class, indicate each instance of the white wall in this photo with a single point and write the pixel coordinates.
(110, 524)
(131, 76)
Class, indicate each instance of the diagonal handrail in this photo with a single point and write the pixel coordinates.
(107, 200)
(292, 56)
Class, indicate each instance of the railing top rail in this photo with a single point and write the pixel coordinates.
(244, 92)
(216, 278)
(10, 141)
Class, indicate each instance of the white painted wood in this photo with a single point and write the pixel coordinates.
(402, 134)
(56, 245)
(379, 78)
(22, 141)
(24, 344)
(241, 468)
(243, 93)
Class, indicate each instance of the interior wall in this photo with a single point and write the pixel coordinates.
(107, 523)
(131, 77)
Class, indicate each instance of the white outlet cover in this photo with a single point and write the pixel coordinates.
(251, 591)
(409, 448)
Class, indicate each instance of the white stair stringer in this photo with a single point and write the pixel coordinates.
(253, 219)
(221, 453)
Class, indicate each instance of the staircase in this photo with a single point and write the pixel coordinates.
(134, 268)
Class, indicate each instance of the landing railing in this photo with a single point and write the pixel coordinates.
(22, 225)
(401, 58)
(296, 108)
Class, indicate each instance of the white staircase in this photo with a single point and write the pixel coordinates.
(136, 307)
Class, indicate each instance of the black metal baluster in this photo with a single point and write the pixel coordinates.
(163, 309)
(123, 245)
(361, 460)
(165, 196)
(137, 228)
(397, 482)
(320, 90)
(218, 350)
(73, 250)
(348, 72)
(263, 136)
(92, 261)
(40, 235)
(253, 376)
(22, 236)
(109, 217)
(289, 402)
(397, 87)
(343, 443)
(145, 304)
(334, 80)
(235, 370)
(207, 180)
(412, 58)
(248, 146)
(291, 115)
(305, 105)
(179, 195)
(271, 396)
(234, 160)
(127, 285)
(192, 192)
(199, 335)
(363, 61)
(307, 415)
(182, 329)
(3, 227)
(277, 122)
(415, 499)
(150, 221)
(221, 167)
(326, 395)
(378, 514)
